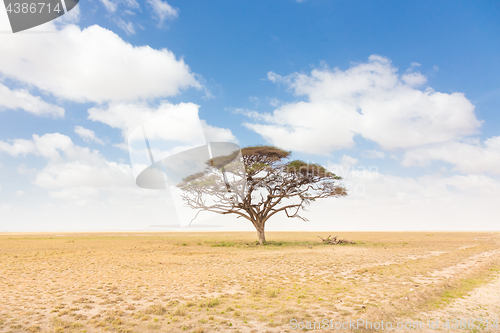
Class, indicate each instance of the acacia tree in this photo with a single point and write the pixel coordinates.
(267, 185)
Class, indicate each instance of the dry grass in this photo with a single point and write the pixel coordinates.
(206, 282)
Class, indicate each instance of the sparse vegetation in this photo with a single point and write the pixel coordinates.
(150, 282)
(224, 244)
(155, 309)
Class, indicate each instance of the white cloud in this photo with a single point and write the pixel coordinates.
(373, 154)
(128, 27)
(87, 135)
(432, 202)
(273, 77)
(22, 99)
(368, 99)
(127, 116)
(162, 11)
(93, 64)
(19, 193)
(96, 173)
(275, 102)
(414, 79)
(467, 157)
(122, 146)
(112, 5)
(131, 3)
(217, 134)
(24, 170)
(348, 162)
(308, 127)
(97, 193)
(71, 17)
(181, 124)
(70, 165)
(348, 169)
(251, 114)
(17, 147)
(367, 185)
(168, 129)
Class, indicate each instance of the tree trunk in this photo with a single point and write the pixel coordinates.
(261, 234)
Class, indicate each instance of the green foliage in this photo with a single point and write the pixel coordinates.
(256, 167)
(269, 153)
(213, 302)
(298, 166)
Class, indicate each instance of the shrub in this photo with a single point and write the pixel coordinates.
(156, 309)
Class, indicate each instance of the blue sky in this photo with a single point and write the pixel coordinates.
(408, 88)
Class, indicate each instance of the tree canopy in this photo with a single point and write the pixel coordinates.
(257, 183)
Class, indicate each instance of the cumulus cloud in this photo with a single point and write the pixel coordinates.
(162, 11)
(182, 123)
(93, 64)
(22, 99)
(97, 173)
(87, 135)
(70, 165)
(217, 134)
(368, 99)
(96, 192)
(366, 184)
(168, 129)
(308, 127)
(379, 201)
(467, 157)
(414, 79)
(17, 147)
(128, 116)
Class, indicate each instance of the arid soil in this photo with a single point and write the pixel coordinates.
(224, 282)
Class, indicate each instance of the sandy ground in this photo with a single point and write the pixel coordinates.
(480, 307)
(223, 282)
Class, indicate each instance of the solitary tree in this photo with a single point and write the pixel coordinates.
(267, 184)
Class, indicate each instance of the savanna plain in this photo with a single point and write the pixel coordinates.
(226, 282)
